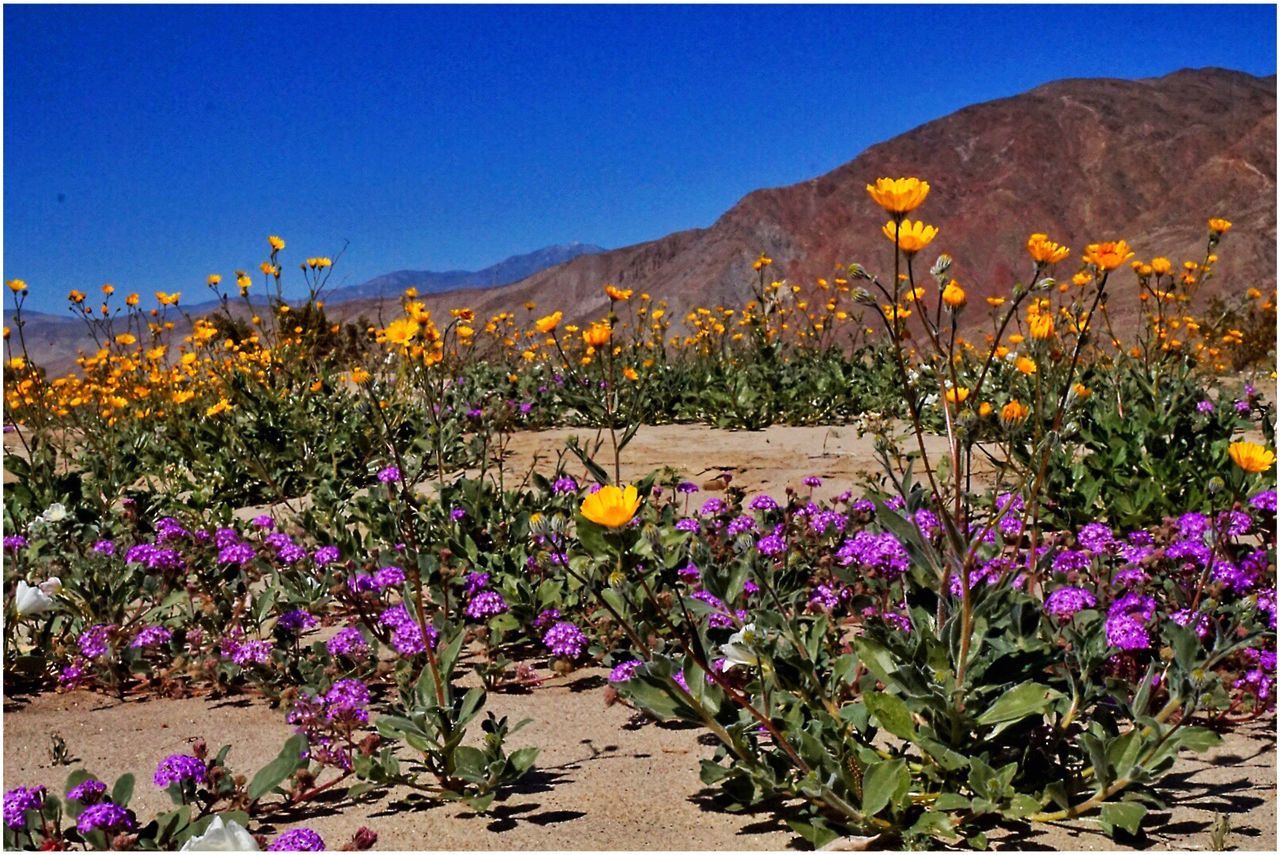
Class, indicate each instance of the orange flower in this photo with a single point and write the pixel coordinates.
(1219, 226)
(549, 322)
(899, 195)
(616, 294)
(168, 299)
(1251, 457)
(953, 295)
(911, 236)
(598, 334)
(1108, 255)
(1045, 251)
(1013, 412)
(610, 506)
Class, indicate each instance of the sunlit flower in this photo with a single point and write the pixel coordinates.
(1108, 255)
(276, 242)
(911, 236)
(762, 262)
(611, 506)
(598, 334)
(953, 295)
(899, 195)
(168, 299)
(547, 323)
(76, 296)
(1219, 226)
(1025, 364)
(221, 407)
(1041, 326)
(1251, 457)
(1046, 251)
(16, 285)
(957, 395)
(1013, 412)
(620, 295)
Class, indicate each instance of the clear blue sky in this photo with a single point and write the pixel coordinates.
(150, 146)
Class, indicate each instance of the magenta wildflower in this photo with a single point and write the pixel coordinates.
(624, 671)
(1064, 603)
(348, 642)
(565, 639)
(178, 769)
(389, 475)
(486, 604)
(87, 791)
(297, 840)
(151, 636)
(95, 641)
(104, 816)
(18, 801)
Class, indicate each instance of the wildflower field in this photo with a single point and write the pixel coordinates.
(1015, 570)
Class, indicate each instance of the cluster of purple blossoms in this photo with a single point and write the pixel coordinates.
(686, 487)
(178, 769)
(740, 525)
(14, 543)
(1096, 537)
(104, 816)
(689, 573)
(88, 791)
(18, 801)
(624, 671)
(73, 674)
(927, 521)
(772, 544)
(1190, 555)
(155, 557)
(1205, 406)
(348, 642)
(881, 553)
(406, 635)
(297, 840)
(713, 506)
(151, 636)
(565, 639)
(169, 530)
(1126, 622)
(263, 521)
(895, 503)
(287, 552)
(1199, 621)
(1264, 501)
(325, 555)
(861, 506)
(545, 618)
(763, 503)
(989, 573)
(1071, 561)
(827, 597)
(245, 653)
(347, 701)
(1193, 525)
(812, 481)
(475, 581)
(721, 618)
(1258, 680)
(823, 521)
(296, 620)
(389, 474)
(105, 547)
(1234, 523)
(687, 524)
(895, 619)
(237, 553)
(94, 642)
(1065, 603)
(564, 485)
(486, 604)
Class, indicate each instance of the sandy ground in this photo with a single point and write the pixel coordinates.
(603, 780)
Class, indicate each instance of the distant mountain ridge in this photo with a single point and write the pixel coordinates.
(505, 272)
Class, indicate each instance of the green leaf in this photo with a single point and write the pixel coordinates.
(882, 784)
(1126, 815)
(1030, 698)
(892, 714)
(274, 773)
(123, 790)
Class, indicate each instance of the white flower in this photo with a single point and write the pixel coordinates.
(738, 650)
(222, 837)
(51, 586)
(31, 601)
(57, 512)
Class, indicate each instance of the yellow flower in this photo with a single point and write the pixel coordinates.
(1161, 265)
(598, 334)
(1014, 411)
(1081, 279)
(1219, 226)
(276, 242)
(168, 299)
(953, 295)
(995, 302)
(911, 236)
(1250, 456)
(108, 289)
(181, 396)
(126, 339)
(630, 374)
(549, 322)
(400, 332)
(1081, 390)
(214, 279)
(899, 195)
(957, 395)
(1046, 251)
(319, 263)
(984, 409)
(1107, 255)
(1041, 327)
(221, 407)
(359, 376)
(76, 296)
(762, 262)
(16, 285)
(610, 506)
(270, 269)
(1026, 365)
(619, 294)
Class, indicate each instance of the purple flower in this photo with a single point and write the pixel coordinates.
(457, 514)
(713, 506)
(689, 573)
(151, 636)
(825, 598)
(1205, 406)
(94, 641)
(388, 577)
(1203, 625)
(1070, 561)
(741, 524)
(296, 621)
(687, 524)
(104, 816)
(73, 675)
(325, 555)
(812, 481)
(564, 485)
(1193, 525)
(686, 487)
(388, 475)
(624, 671)
(1096, 537)
(1064, 603)
(720, 618)
(18, 801)
(87, 791)
(236, 553)
(565, 639)
(1190, 553)
(247, 653)
(1234, 523)
(179, 768)
(876, 552)
(1242, 406)
(545, 618)
(863, 506)
(927, 522)
(297, 840)
(346, 700)
(772, 544)
(475, 581)
(263, 521)
(154, 557)
(1127, 633)
(15, 542)
(225, 537)
(105, 547)
(763, 503)
(486, 604)
(348, 642)
(1264, 501)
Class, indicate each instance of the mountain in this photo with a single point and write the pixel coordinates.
(1082, 160)
(505, 272)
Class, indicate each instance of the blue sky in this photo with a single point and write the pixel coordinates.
(151, 146)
